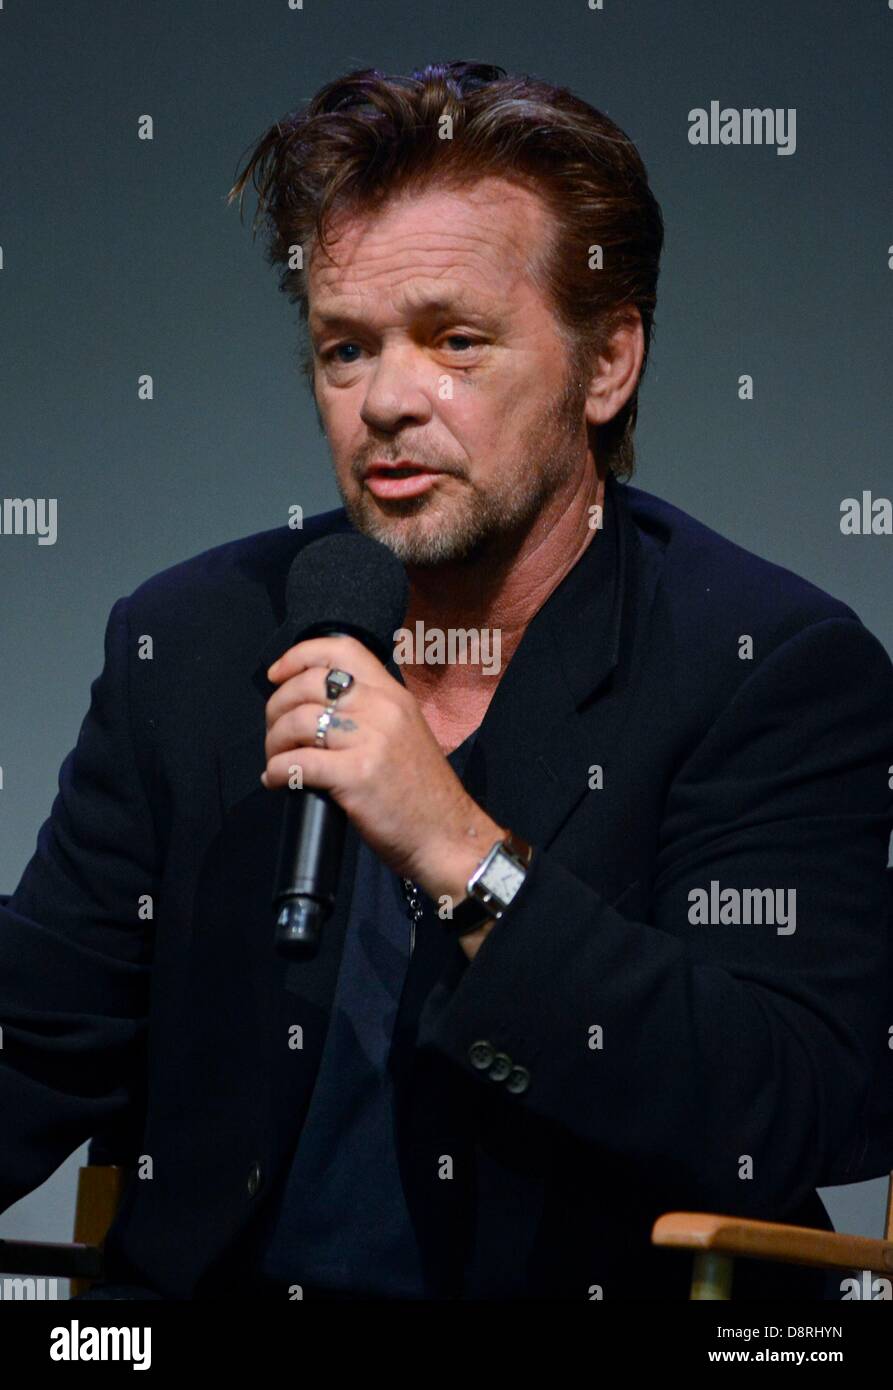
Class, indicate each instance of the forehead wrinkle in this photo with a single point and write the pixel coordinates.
(408, 288)
(412, 290)
(371, 245)
(409, 295)
(418, 254)
(469, 205)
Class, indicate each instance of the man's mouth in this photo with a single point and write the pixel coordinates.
(409, 472)
(400, 479)
(400, 468)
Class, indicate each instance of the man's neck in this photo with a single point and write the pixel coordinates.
(502, 595)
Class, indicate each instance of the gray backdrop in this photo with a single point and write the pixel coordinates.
(120, 257)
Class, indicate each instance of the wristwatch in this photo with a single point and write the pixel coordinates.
(493, 884)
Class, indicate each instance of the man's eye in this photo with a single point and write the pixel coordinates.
(334, 352)
(340, 353)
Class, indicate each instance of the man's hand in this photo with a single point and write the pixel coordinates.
(381, 763)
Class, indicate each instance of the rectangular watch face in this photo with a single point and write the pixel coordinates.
(503, 878)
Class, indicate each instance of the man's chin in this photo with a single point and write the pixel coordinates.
(415, 531)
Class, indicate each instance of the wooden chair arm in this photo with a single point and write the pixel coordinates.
(770, 1240)
(100, 1186)
(99, 1193)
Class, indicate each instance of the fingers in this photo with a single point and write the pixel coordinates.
(307, 688)
(373, 705)
(345, 652)
(296, 729)
(317, 767)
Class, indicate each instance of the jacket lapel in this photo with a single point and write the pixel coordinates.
(529, 760)
(553, 711)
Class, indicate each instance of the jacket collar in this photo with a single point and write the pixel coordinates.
(529, 762)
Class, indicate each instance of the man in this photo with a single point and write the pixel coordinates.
(678, 777)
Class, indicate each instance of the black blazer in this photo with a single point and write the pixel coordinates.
(737, 1067)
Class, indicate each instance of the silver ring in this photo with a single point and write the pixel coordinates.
(323, 721)
(337, 682)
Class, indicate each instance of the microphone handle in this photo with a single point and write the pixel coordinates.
(310, 853)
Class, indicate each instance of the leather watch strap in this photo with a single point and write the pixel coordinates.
(518, 846)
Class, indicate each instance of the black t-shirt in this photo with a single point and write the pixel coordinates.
(343, 1223)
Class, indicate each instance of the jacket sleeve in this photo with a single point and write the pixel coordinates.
(734, 1060)
(74, 945)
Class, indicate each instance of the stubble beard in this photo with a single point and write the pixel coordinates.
(470, 524)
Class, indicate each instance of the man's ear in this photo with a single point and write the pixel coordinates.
(617, 370)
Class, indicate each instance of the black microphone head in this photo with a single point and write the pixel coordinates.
(348, 583)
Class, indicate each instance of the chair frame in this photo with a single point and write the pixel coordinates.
(715, 1241)
(100, 1187)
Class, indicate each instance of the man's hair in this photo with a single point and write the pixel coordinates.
(367, 137)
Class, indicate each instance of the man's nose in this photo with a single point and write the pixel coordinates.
(397, 391)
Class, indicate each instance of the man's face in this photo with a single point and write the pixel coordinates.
(433, 345)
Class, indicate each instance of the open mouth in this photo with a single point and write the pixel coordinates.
(406, 481)
(409, 472)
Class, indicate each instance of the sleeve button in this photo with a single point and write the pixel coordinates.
(501, 1068)
(518, 1080)
(481, 1054)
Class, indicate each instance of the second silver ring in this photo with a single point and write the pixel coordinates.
(337, 682)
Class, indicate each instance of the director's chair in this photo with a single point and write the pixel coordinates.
(716, 1241)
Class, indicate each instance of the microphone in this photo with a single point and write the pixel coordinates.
(341, 585)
